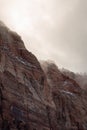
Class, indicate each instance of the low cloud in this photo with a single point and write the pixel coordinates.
(51, 29)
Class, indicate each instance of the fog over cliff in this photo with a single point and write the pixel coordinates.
(51, 29)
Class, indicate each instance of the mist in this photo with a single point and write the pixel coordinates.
(51, 29)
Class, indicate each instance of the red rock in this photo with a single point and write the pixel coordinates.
(34, 98)
(23, 84)
(70, 100)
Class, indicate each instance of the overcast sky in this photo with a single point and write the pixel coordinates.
(51, 29)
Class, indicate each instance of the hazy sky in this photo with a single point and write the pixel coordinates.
(51, 29)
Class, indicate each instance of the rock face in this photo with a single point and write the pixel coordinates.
(70, 100)
(34, 96)
(80, 78)
(24, 91)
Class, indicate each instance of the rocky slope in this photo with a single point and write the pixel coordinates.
(70, 100)
(34, 96)
(80, 78)
(23, 85)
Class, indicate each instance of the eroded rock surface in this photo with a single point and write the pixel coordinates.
(34, 96)
(23, 85)
(70, 100)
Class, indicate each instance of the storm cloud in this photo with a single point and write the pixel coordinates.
(51, 29)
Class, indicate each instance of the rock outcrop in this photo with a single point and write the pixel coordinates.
(70, 100)
(34, 96)
(24, 91)
(80, 78)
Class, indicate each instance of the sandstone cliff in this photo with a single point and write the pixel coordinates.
(69, 98)
(23, 84)
(34, 96)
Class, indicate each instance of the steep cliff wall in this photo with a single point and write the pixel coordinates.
(34, 96)
(70, 100)
(23, 84)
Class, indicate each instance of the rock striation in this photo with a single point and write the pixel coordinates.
(36, 96)
(24, 91)
(69, 98)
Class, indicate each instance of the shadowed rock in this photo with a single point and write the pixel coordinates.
(34, 96)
